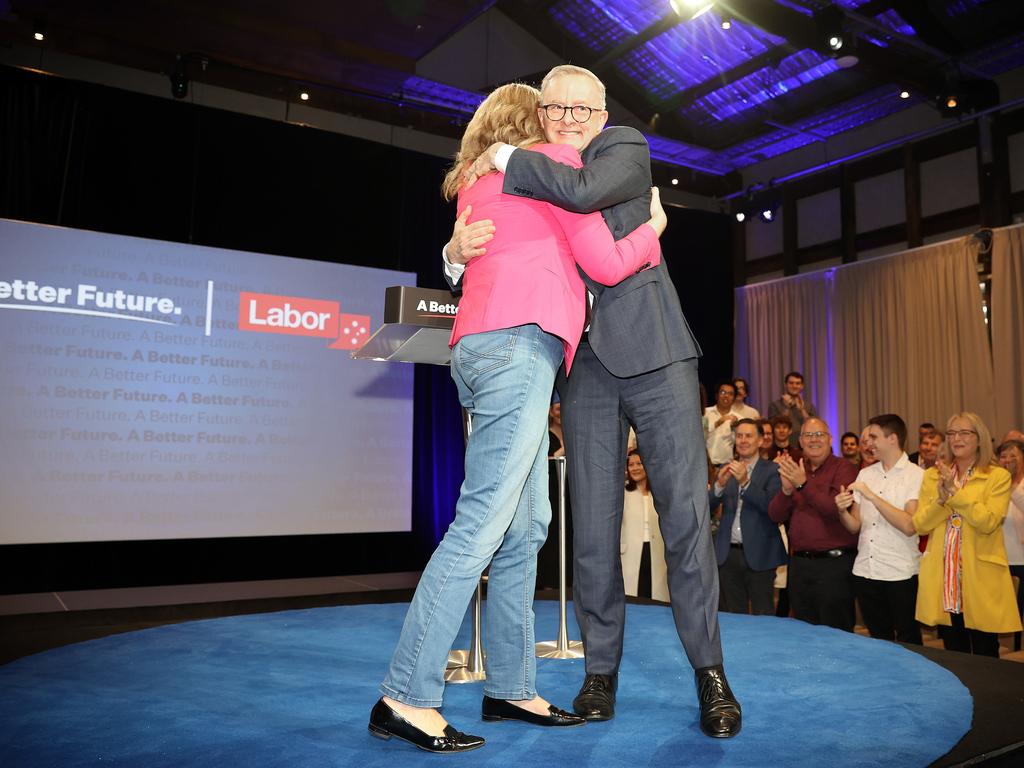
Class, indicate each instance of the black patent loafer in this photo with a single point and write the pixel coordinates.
(720, 714)
(385, 723)
(596, 699)
(499, 709)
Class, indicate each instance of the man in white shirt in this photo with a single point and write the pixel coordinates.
(740, 404)
(880, 505)
(721, 419)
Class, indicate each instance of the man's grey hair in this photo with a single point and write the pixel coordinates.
(563, 70)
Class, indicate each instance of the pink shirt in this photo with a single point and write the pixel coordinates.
(528, 275)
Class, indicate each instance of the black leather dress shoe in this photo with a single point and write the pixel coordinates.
(385, 723)
(596, 699)
(499, 709)
(720, 714)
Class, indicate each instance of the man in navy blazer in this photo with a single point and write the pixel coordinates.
(636, 365)
(748, 544)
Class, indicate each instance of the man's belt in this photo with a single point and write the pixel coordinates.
(827, 553)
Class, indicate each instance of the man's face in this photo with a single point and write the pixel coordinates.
(767, 437)
(741, 390)
(570, 91)
(879, 444)
(922, 433)
(1012, 460)
(815, 440)
(726, 395)
(747, 441)
(782, 433)
(867, 448)
(849, 447)
(794, 386)
(929, 448)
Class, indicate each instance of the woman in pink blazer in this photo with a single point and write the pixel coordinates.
(522, 311)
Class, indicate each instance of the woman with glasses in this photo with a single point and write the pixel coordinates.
(522, 310)
(964, 586)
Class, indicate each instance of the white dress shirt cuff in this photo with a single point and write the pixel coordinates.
(502, 156)
(454, 271)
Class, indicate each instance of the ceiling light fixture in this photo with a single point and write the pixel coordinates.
(304, 96)
(830, 24)
(904, 94)
(39, 31)
(179, 78)
(691, 9)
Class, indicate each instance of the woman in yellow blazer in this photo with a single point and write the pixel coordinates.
(964, 586)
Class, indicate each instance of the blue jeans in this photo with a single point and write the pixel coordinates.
(505, 379)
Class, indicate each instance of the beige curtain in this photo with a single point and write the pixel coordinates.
(903, 334)
(782, 326)
(1006, 314)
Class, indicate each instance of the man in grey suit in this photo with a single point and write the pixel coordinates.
(636, 365)
(748, 544)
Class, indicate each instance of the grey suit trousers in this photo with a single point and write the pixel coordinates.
(663, 407)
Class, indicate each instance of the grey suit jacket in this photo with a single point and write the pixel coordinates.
(636, 326)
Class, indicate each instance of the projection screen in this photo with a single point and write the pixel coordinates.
(156, 390)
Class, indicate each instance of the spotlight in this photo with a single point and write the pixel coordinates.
(726, 21)
(766, 203)
(304, 96)
(829, 24)
(904, 94)
(675, 182)
(961, 97)
(691, 9)
(179, 79)
(39, 31)
(741, 216)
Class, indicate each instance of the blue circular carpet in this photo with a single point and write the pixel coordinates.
(295, 689)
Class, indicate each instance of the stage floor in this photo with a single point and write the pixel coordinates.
(295, 688)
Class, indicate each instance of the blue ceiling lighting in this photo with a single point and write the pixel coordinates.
(767, 83)
(602, 24)
(794, 5)
(445, 97)
(693, 52)
(679, 153)
(866, 108)
(963, 7)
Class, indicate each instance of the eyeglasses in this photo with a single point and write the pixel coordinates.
(960, 433)
(580, 113)
(814, 434)
(726, 392)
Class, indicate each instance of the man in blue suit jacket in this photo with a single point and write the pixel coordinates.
(636, 365)
(748, 545)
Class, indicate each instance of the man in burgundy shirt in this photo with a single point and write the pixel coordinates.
(821, 568)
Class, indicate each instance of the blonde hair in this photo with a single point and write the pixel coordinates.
(509, 115)
(986, 456)
(571, 70)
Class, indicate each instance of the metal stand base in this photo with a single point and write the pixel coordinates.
(562, 648)
(468, 666)
(552, 649)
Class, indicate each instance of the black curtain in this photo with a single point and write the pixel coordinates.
(92, 157)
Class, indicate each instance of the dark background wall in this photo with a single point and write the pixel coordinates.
(91, 157)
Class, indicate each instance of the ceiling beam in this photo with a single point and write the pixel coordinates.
(632, 42)
(726, 77)
(928, 26)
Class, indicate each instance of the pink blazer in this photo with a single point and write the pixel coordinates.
(528, 274)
